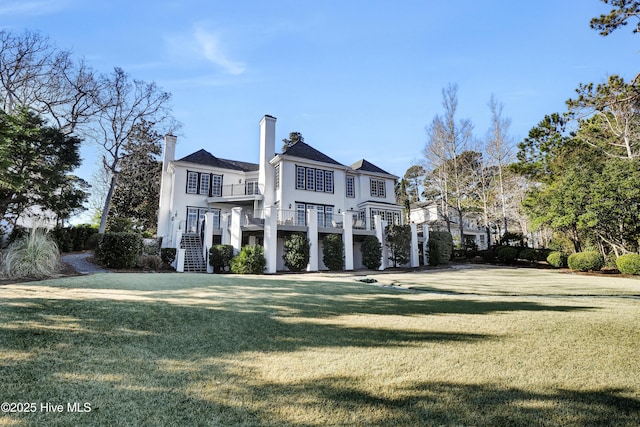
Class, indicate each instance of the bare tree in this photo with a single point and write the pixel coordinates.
(448, 140)
(499, 149)
(125, 106)
(35, 74)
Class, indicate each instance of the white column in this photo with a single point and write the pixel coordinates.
(380, 224)
(208, 239)
(271, 238)
(180, 260)
(236, 230)
(312, 235)
(224, 224)
(347, 238)
(415, 253)
(425, 247)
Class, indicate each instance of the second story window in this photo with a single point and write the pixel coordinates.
(216, 188)
(314, 179)
(192, 182)
(351, 186)
(204, 183)
(300, 178)
(378, 188)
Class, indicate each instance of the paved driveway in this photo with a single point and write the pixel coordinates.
(80, 263)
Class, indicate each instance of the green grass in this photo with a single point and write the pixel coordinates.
(311, 350)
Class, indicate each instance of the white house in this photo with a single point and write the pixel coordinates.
(429, 216)
(299, 190)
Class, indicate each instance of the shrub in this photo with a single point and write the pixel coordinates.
(557, 259)
(527, 254)
(333, 252)
(586, 261)
(628, 264)
(63, 238)
(250, 260)
(398, 240)
(371, 250)
(119, 225)
(507, 254)
(488, 255)
(92, 241)
(435, 251)
(296, 252)
(35, 254)
(150, 246)
(220, 257)
(149, 262)
(119, 250)
(445, 246)
(168, 255)
(542, 254)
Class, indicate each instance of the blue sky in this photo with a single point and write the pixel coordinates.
(359, 79)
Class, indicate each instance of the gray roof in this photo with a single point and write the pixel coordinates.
(203, 157)
(366, 166)
(305, 151)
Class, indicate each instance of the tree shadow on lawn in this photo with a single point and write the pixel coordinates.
(94, 349)
(445, 403)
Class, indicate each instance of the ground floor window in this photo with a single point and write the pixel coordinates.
(325, 214)
(195, 219)
(392, 217)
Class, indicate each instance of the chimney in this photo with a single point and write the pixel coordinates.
(169, 151)
(267, 151)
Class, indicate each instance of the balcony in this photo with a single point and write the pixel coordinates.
(248, 191)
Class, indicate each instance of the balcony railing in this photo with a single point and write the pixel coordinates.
(236, 190)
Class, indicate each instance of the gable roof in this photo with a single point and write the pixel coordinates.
(305, 151)
(203, 157)
(364, 165)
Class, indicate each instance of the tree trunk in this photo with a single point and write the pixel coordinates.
(107, 204)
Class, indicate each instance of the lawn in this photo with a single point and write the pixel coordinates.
(479, 347)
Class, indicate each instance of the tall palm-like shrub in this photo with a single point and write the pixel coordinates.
(34, 255)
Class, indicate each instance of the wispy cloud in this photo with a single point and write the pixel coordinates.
(36, 7)
(204, 44)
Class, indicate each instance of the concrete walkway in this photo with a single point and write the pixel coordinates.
(80, 263)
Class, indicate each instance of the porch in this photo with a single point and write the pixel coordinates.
(268, 227)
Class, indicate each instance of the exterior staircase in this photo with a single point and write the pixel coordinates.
(194, 262)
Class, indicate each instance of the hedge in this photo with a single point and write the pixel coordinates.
(119, 250)
(442, 242)
(507, 254)
(628, 264)
(586, 261)
(333, 252)
(220, 257)
(371, 250)
(296, 252)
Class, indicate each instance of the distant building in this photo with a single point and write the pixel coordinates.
(429, 215)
